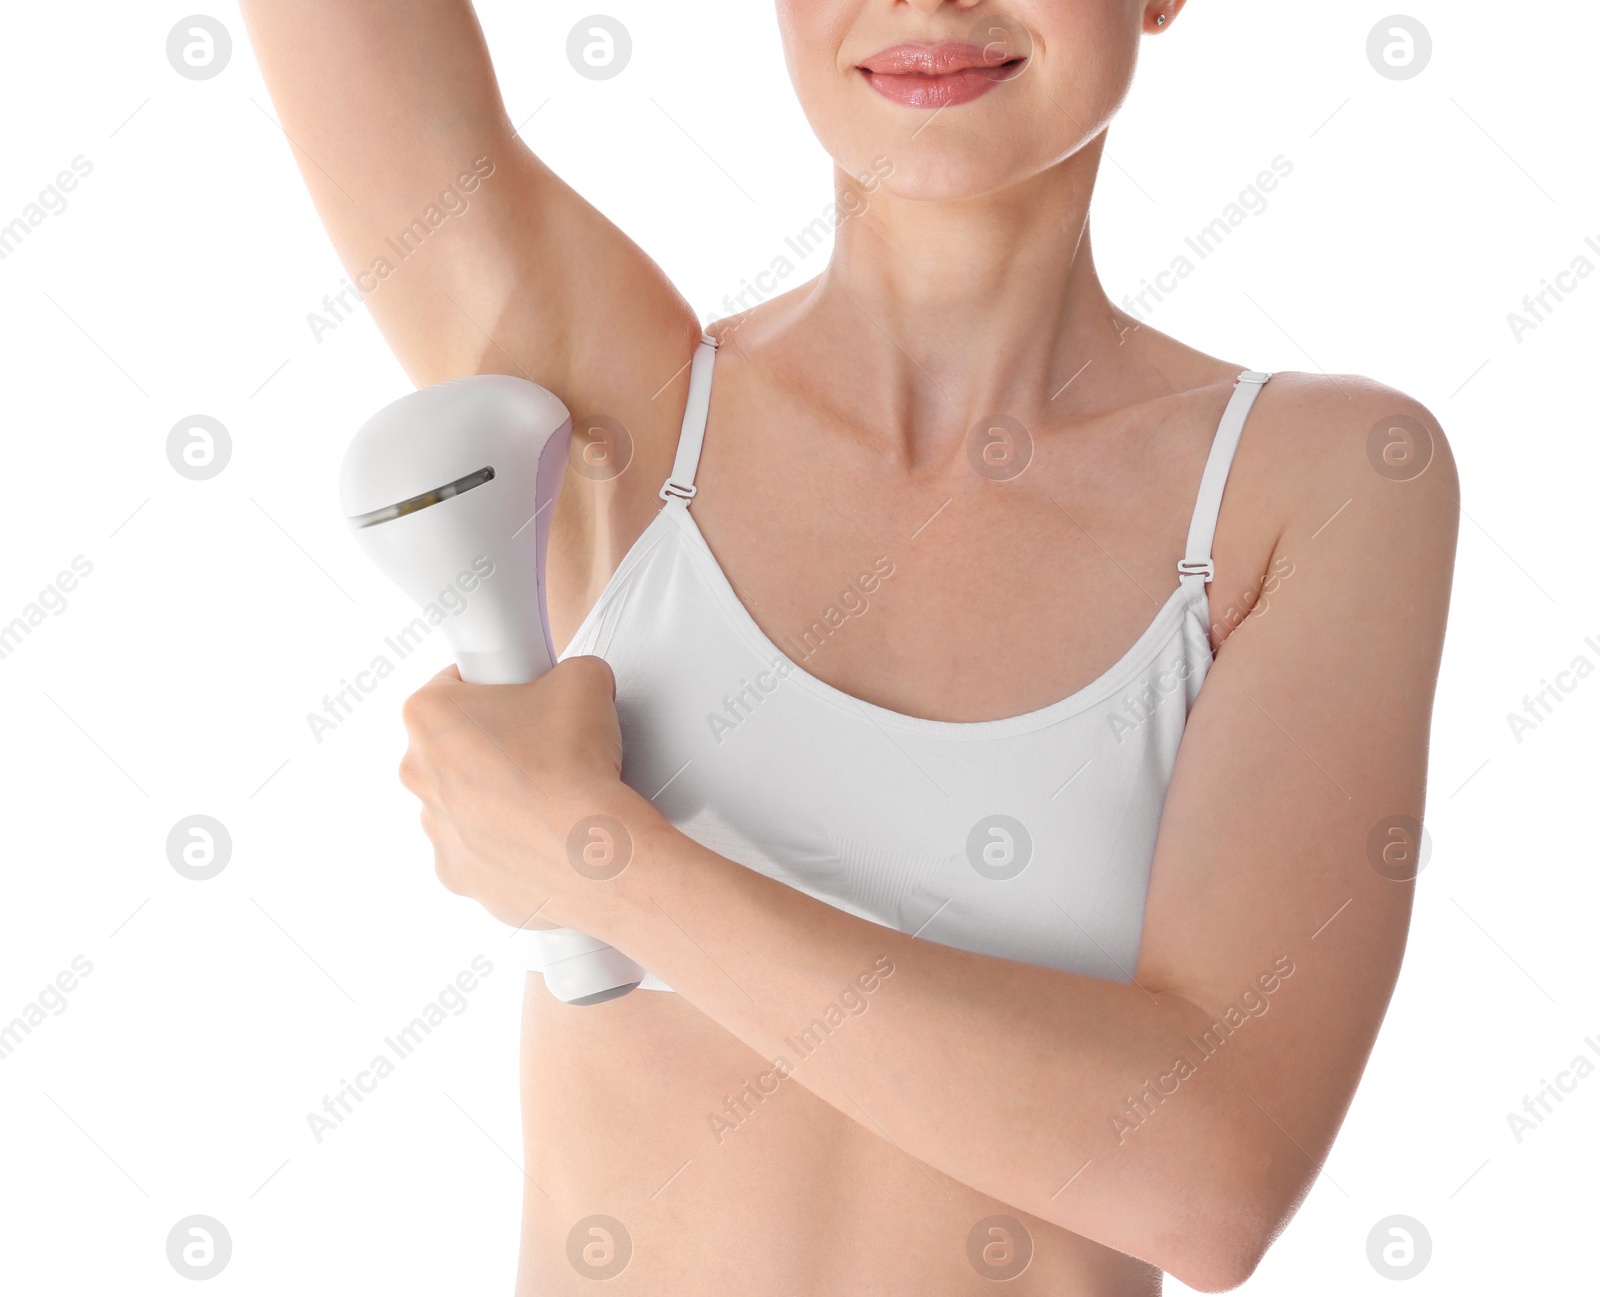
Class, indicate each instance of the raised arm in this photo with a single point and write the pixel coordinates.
(471, 254)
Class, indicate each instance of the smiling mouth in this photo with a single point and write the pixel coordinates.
(938, 76)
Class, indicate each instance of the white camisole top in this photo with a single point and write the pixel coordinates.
(1028, 837)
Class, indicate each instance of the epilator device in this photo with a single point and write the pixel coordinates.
(459, 480)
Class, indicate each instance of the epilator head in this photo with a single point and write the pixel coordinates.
(450, 490)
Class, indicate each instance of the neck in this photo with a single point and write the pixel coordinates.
(947, 312)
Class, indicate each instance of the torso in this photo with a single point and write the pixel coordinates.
(1002, 604)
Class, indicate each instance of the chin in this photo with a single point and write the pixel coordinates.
(950, 173)
(948, 161)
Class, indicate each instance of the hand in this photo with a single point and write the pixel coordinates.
(504, 773)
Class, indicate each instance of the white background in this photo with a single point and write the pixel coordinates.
(177, 680)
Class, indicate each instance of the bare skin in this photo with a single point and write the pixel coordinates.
(838, 429)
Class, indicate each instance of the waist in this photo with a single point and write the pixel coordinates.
(718, 1176)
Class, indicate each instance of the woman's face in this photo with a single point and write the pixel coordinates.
(956, 98)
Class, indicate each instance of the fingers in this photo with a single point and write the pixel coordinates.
(432, 701)
(592, 670)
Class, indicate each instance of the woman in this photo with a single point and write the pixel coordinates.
(973, 967)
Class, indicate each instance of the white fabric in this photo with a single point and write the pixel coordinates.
(693, 432)
(888, 816)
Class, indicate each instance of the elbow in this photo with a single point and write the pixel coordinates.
(1220, 1264)
(1230, 1236)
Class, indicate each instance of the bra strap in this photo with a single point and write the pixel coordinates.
(691, 436)
(1197, 568)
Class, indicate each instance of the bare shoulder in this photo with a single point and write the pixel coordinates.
(1334, 447)
(1346, 428)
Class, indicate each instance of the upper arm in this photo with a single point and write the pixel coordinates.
(1276, 847)
(472, 255)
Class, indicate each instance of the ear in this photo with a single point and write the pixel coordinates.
(1159, 17)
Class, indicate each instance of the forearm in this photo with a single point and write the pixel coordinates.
(1002, 1075)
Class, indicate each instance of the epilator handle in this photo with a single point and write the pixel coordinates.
(449, 490)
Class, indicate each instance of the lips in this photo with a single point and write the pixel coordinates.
(938, 76)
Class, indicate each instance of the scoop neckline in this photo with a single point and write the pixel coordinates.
(1178, 604)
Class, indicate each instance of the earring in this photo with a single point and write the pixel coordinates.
(1161, 20)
